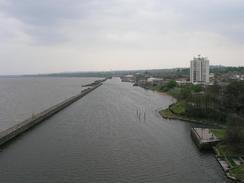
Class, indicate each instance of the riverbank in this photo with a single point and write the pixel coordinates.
(176, 111)
(231, 163)
(197, 104)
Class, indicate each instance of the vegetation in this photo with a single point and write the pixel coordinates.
(219, 133)
(234, 132)
(230, 155)
(167, 113)
(233, 96)
(212, 103)
(226, 150)
(154, 87)
(168, 86)
(221, 104)
(178, 108)
(238, 172)
(222, 70)
(218, 104)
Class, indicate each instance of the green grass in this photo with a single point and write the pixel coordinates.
(224, 150)
(166, 113)
(227, 150)
(155, 88)
(175, 92)
(220, 133)
(238, 172)
(179, 108)
(231, 162)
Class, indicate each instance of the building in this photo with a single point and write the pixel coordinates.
(155, 81)
(128, 78)
(199, 72)
(182, 82)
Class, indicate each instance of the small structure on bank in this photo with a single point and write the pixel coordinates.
(155, 81)
(204, 138)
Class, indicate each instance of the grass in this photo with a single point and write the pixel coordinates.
(231, 162)
(155, 88)
(178, 108)
(224, 150)
(238, 172)
(166, 113)
(227, 150)
(219, 133)
(175, 92)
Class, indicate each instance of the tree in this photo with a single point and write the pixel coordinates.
(196, 88)
(234, 97)
(234, 131)
(171, 84)
(185, 93)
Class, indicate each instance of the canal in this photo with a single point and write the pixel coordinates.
(113, 134)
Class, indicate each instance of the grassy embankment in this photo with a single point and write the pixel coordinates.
(178, 111)
(154, 88)
(238, 172)
(233, 155)
(174, 111)
(220, 133)
(234, 158)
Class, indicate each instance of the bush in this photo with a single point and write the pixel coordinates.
(171, 84)
(234, 131)
(196, 88)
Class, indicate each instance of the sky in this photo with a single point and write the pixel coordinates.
(51, 36)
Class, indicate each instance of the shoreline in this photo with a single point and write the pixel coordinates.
(163, 93)
(167, 114)
(176, 110)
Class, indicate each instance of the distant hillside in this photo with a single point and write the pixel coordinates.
(174, 72)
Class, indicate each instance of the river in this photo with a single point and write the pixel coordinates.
(114, 134)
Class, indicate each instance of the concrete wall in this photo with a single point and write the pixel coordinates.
(203, 144)
(25, 125)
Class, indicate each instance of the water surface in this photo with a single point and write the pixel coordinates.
(20, 97)
(113, 134)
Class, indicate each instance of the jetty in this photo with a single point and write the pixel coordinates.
(18, 129)
(95, 82)
(204, 138)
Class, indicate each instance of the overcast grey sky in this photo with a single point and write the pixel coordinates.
(42, 36)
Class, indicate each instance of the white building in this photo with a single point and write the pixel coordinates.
(157, 81)
(199, 72)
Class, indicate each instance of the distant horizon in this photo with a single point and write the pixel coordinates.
(105, 71)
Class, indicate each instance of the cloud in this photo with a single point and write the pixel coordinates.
(119, 32)
(47, 20)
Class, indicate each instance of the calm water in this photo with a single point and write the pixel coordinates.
(114, 134)
(22, 97)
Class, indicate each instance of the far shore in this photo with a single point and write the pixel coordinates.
(163, 93)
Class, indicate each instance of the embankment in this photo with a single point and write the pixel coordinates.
(25, 125)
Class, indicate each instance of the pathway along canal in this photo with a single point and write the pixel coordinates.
(113, 134)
